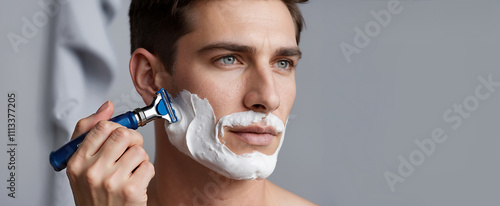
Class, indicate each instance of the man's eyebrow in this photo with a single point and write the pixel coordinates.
(288, 52)
(285, 51)
(227, 46)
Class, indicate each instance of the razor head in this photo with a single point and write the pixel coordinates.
(164, 106)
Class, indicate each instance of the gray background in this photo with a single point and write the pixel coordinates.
(350, 122)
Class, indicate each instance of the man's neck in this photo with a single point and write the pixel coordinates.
(180, 180)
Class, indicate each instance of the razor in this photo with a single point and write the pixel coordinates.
(161, 107)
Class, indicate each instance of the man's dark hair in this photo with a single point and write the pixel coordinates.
(156, 25)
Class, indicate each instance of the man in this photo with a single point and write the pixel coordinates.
(240, 55)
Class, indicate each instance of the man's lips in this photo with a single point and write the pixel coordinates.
(255, 135)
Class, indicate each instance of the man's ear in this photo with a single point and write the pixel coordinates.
(143, 67)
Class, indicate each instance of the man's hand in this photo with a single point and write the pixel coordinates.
(110, 167)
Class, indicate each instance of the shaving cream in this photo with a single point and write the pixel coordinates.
(196, 134)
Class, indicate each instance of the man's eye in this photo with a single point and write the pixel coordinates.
(228, 60)
(283, 64)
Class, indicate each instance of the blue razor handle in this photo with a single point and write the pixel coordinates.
(160, 107)
(59, 158)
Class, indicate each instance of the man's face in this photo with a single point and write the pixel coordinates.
(240, 56)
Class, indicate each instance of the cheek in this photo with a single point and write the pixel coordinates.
(226, 99)
(287, 93)
(287, 86)
(221, 91)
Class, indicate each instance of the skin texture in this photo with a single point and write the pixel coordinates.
(241, 56)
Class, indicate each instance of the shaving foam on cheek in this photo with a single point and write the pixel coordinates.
(196, 135)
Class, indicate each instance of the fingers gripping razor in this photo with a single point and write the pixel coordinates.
(161, 107)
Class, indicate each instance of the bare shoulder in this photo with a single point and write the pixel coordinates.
(285, 197)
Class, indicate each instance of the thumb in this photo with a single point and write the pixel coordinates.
(103, 113)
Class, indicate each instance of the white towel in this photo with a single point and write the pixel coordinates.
(84, 64)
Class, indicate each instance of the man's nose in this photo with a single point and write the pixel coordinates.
(262, 94)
